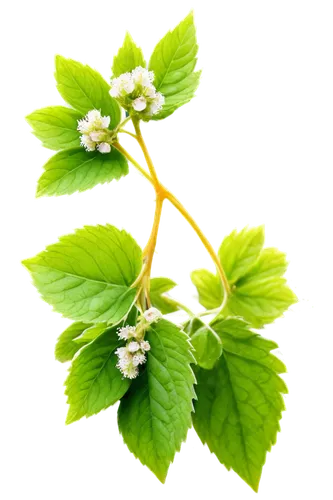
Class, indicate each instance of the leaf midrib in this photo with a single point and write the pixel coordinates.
(78, 276)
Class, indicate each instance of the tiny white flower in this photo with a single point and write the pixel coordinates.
(97, 135)
(122, 352)
(150, 92)
(139, 104)
(139, 359)
(157, 103)
(133, 347)
(83, 126)
(105, 121)
(152, 315)
(104, 147)
(114, 91)
(130, 371)
(144, 345)
(87, 143)
(93, 115)
(126, 332)
(142, 76)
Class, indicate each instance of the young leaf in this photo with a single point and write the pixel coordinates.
(91, 333)
(94, 383)
(86, 276)
(129, 57)
(84, 89)
(155, 414)
(240, 250)
(209, 288)
(239, 402)
(173, 62)
(261, 300)
(56, 127)
(66, 346)
(78, 170)
(207, 346)
(158, 287)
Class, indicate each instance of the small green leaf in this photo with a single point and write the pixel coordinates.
(84, 89)
(56, 127)
(173, 62)
(159, 286)
(129, 57)
(209, 288)
(240, 250)
(66, 346)
(86, 276)
(94, 382)
(78, 170)
(155, 414)
(91, 333)
(208, 347)
(260, 300)
(239, 402)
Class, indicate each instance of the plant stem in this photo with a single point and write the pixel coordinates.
(134, 162)
(149, 250)
(143, 146)
(176, 203)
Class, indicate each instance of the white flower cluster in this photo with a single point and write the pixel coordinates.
(95, 132)
(135, 91)
(133, 354)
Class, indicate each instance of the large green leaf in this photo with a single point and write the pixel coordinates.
(173, 62)
(56, 127)
(66, 346)
(84, 89)
(239, 402)
(209, 288)
(94, 382)
(86, 276)
(78, 170)
(158, 287)
(129, 57)
(240, 250)
(155, 414)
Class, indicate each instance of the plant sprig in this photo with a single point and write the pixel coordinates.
(221, 376)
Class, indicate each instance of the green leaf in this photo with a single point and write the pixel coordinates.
(240, 250)
(209, 288)
(78, 170)
(155, 414)
(261, 300)
(66, 346)
(86, 276)
(207, 345)
(94, 383)
(91, 333)
(173, 62)
(239, 402)
(129, 57)
(159, 286)
(84, 89)
(56, 127)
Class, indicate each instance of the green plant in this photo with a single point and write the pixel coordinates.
(221, 376)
